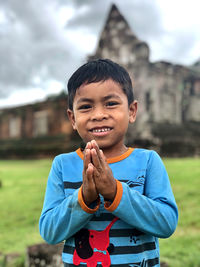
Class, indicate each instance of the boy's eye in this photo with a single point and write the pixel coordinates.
(85, 106)
(111, 103)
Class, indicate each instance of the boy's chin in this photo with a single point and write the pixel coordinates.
(100, 143)
(104, 145)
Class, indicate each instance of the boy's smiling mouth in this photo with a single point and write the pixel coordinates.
(101, 130)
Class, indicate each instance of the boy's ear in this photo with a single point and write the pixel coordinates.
(71, 117)
(133, 111)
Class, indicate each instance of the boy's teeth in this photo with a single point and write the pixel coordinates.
(101, 130)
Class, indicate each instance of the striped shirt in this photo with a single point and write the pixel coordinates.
(144, 205)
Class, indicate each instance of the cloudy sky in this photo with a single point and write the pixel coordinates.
(43, 42)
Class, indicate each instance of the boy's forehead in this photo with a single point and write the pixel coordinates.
(101, 86)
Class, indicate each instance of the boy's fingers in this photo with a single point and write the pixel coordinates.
(96, 174)
(95, 159)
(89, 172)
(88, 175)
(88, 145)
(94, 145)
(87, 158)
(99, 154)
(102, 155)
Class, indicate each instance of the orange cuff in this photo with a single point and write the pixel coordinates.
(111, 207)
(84, 206)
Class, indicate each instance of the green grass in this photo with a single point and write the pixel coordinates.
(182, 249)
(22, 193)
(21, 199)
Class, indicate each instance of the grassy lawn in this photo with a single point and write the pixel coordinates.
(21, 199)
(182, 249)
(22, 193)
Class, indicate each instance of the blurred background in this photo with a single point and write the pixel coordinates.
(41, 44)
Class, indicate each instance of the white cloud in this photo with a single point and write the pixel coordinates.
(24, 96)
(21, 97)
(45, 41)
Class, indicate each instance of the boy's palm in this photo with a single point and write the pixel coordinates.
(97, 175)
(102, 174)
(89, 191)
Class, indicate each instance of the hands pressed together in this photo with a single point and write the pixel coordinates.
(97, 175)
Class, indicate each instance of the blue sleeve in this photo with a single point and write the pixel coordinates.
(155, 212)
(62, 216)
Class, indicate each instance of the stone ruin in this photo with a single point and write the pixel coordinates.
(168, 95)
(168, 118)
(44, 255)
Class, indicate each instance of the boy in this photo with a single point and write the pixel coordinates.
(109, 203)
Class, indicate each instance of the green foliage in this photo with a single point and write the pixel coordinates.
(22, 193)
(44, 146)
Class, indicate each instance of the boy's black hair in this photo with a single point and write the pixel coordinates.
(96, 71)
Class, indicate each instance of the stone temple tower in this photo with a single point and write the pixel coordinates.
(168, 95)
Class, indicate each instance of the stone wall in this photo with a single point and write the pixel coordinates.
(37, 130)
(40, 119)
(166, 93)
(44, 255)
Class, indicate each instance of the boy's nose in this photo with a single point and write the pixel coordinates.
(99, 114)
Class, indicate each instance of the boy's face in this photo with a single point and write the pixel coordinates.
(101, 112)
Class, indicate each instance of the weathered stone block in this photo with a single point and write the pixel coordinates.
(44, 255)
